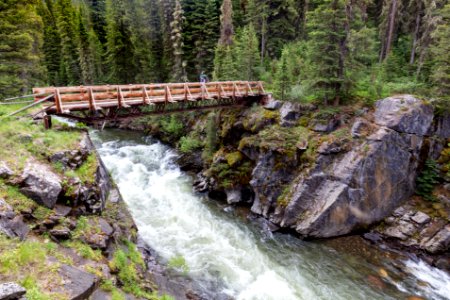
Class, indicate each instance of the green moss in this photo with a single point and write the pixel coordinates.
(42, 213)
(276, 138)
(234, 158)
(284, 198)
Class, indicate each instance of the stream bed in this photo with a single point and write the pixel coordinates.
(229, 254)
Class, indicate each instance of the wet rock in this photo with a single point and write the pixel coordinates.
(233, 195)
(11, 291)
(5, 171)
(289, 112)
(105, 227)
(114, 196)
(327, 148)
(442, 263)
(421, 218)
(201, 183)
(62, 233)
(78, 285)
(395, 232)
(360, 128)
(41, 184)
(273, 104)
(62, 210)
(440, 242)
(96, 241)
(373, 237)
(404, 113)
(442, 126)
(325, 125)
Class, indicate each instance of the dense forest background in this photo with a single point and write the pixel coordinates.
(305, 50)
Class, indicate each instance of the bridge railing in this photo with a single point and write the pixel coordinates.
(105, 96)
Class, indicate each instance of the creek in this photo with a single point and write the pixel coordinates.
(229, 253)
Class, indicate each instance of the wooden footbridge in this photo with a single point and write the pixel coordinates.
(92, 104)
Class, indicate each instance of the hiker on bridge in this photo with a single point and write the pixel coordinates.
(203, 77)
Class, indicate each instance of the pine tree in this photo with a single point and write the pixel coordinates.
(389, 23)
(166, 8)
(87, 60)
(440, 50)
(224, 61)
(66, 22)
(178, 69)
(119, 56)
(51, 44)
(20, 42)
(327, 49)
(247, 53)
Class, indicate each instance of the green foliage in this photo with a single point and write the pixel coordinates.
(87, 171)
(427, 179)
(20, 42)
(172, 126)
(441, 49)
(84, 250)
(189, 144)
(211, 137)
(178, 263)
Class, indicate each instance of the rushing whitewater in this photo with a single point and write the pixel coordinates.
(229, 253)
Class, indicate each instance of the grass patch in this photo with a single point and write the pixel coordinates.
(84, 250)
(87, 171)
(15, 198)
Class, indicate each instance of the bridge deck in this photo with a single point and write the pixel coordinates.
(96, 98)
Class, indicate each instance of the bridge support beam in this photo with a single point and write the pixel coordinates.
(47, 122)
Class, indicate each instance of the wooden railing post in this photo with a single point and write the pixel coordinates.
(58, 102)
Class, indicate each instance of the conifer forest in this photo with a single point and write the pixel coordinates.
(330, 51)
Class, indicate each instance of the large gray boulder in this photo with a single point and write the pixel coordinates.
(40, 184)
(11, 291)
(10, 224)
(350, 190)
(78, 285)
(5, 171)
(405, 114)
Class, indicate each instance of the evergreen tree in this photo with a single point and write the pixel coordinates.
(247, 54)
(51, 44)
(87, 56)
(440, 50)
(178, 69)
(119, 55)
(224, 62)
(328, 49)
(20, 42)
(97, 9)
(389, 23)
(166, 8)
(66, 22)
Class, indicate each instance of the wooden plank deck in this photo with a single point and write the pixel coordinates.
(95, 98)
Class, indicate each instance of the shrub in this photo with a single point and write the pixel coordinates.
(427, 180)
(188, 144)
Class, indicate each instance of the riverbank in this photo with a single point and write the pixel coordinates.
(65, 232)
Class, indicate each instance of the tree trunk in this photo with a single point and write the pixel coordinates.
(390, 30)
(416, 37)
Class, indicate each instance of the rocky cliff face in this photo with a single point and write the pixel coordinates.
(345, 191)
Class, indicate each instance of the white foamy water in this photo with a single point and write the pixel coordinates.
(234, 257)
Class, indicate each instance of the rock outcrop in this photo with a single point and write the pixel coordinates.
(354, 189)
(11, 224)
(11, 291)
(347, 189)
(41, 184)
